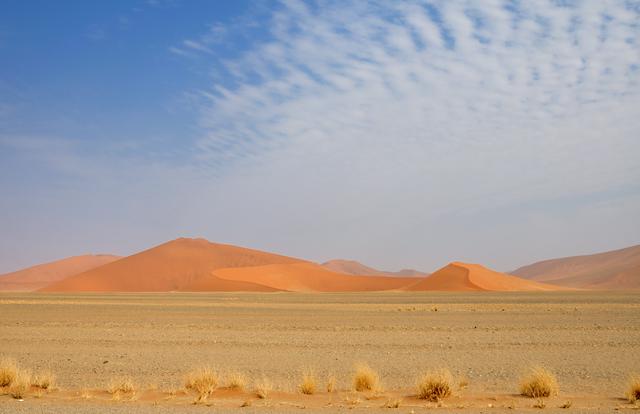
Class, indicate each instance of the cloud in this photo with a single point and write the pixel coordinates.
(357, 112)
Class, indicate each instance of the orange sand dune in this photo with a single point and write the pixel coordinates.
(351, 267)
(616, 269)
(458, 276)
(36, 277)
(179, 265)
(310, 277)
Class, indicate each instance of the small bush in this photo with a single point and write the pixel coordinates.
(203, 381)
(633, 392)
(236, 381)
(392, 403)
(122, 385)
(263, 387)
(365, 378)
(567, 404)
(20, 384)
(308, 384)
(539, 383)
(435, 385)
(8, 371)
(44, 380)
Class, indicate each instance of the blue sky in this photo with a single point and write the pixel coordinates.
(396, 133)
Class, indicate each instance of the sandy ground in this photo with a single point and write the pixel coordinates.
(590, 340)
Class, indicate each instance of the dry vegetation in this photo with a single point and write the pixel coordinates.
(121, 386)
(365, 378)
(539, 383)
(236, 381)
(331, 383)
(308, 383)
(20, 384)
(8, 371)
(263, 387)
(44, 380)
(633, 392)
(435, 385)
(203, 381)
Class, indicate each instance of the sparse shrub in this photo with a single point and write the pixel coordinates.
(8, 371)
(122, 385)
(392, 403)
(365, 378)
(44, 380)
(263, 387)
(308, 384)
(203, 381)
(236, 381)
(331, 383)
(20, 384)
(540, 404)
(567, 404)
(633, 392)
(539, 383)
(435, 385)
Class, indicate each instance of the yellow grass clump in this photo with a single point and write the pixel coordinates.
(435, 385)
(8, 371)
(121, 385)
(633, 392)
(236, 381)
(331, 383)
(203, 381)
(308, 384)
(539, 383)
(365, 378)
(20, 384)
(44, 380)
(263, 387)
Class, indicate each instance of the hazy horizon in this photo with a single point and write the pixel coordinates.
(398, 134)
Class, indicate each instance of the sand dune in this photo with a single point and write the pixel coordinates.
(459, 276)
(617, 269)
(179, 265)
(36, 277)
(351, 267)
(310, 277)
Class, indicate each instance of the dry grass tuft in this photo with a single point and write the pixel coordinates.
(308, 384)
(121, 385)
(20, 384)
(392, 403)
(365, 378)
(331, 383)
(247, 403)
(435, 385)
(203, 381)
(540, 404)
(8, 371)
(263, 387)
(44, 380)
(236, 381)
(567, 404)
(633, 392)
(539, 383)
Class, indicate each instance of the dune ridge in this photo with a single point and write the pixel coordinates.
(458, 276)
(615, 269)
(39, 276)
(352, 267)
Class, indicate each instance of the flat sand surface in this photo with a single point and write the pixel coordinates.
(591, 340)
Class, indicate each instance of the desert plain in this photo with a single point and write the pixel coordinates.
(589, 339)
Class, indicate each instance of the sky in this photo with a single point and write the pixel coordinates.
(402, 134)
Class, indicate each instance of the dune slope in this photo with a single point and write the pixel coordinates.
(459, 276)
(616, 269)
(178, 265)
(36, 277)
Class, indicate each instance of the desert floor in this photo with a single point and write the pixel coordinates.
(590, 340)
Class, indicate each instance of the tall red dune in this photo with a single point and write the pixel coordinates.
(616, 269)
(351, 267)
(36, 277)
(459, 276)
(178, 265)
(310, 277)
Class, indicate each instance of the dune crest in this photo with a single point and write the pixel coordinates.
(458, 276)
(39, 276)
(352, 267)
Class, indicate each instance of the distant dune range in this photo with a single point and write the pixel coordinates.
(351, 267)
(36, 277)
(616, 269)
(197, 265)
